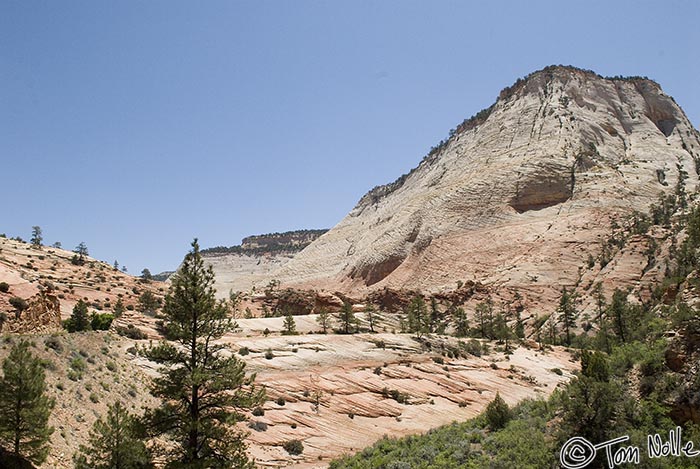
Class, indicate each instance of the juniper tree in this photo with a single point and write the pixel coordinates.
(24, 406)
(114, 444)
(204, 391)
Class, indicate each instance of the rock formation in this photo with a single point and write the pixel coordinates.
(518, 197)
(42, 315)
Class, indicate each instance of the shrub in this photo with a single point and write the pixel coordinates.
(131, 332)
(243, 351)
(258, 412)
(94, 398)
(54, 343)
(269, 355)
(281, 401)
(258, 426)
(101, 321)
(395, 394)
(77, 368)
(293, 447)
(4, 287)
(20, 304)
(474, 347)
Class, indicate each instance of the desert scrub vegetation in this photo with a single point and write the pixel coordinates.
(132, 332)
(293, 447)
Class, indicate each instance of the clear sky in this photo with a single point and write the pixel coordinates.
(135, 126)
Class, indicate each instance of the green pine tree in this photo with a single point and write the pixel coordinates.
(118, 308)
(37, 238)
(324, 319)
(24, 407)
(114, 443)
(567, 312)
(79, 319)
(436, 323)
(347, 318)
(484, 314)
(461, 322)
(290, 326)
(419, 319)
(203, 390)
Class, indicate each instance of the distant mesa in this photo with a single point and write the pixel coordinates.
(271, 243)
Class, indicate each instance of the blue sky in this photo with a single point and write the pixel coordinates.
(136, 126)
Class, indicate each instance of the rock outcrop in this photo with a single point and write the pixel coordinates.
(518, 197)
(42, 315)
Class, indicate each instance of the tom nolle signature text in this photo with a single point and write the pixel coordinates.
(578, 452)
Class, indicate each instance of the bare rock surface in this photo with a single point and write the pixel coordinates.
(340, 393)
(517, 198)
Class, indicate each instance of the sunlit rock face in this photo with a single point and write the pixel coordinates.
(518, 197)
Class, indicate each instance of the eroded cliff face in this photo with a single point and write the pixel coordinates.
(43, 314)
(517, 198)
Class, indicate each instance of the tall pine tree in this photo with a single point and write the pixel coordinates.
(24, 407)
(567, 312)
(203, 390)
(347, 318)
